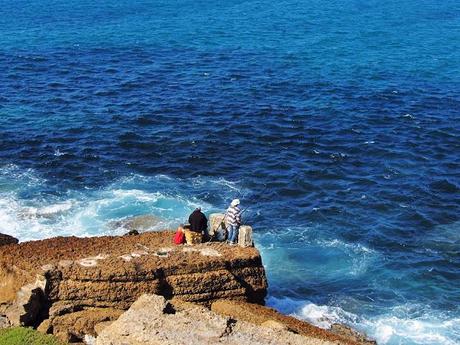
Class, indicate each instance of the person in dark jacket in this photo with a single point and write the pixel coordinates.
(198, 222)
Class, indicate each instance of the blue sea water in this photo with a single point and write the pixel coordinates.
(336, 122)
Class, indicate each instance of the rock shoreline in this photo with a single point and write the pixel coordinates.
(75, 287)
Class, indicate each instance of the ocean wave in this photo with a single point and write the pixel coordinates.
(90, 212)
(47, 211)
(395, 326)
(13, 178)
(430, 329)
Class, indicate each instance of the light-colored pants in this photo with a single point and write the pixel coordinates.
(233, 233)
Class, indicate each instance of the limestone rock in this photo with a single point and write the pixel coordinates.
(274, 324)
(7, 239)
(267, 317)
(74, 326)
(4, 323)
(99, 327)
(215, 223)
(150, 322)
(29, 303)
(245, 236)
(87, 281)
(350, 333)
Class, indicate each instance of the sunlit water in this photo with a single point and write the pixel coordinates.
(337, 123)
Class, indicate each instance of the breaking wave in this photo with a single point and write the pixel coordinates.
(397, 325)
(95, 211)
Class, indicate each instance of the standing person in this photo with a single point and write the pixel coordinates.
(234, 221)
(198, 223)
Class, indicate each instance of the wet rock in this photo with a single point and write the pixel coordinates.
(7, 239)
(139, 223)
(132, 233)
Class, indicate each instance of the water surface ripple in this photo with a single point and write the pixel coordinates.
(337, 122)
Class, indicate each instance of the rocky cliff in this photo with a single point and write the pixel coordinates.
(70, 286)
(152, 320)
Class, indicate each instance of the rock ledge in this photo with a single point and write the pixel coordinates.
(67, 286)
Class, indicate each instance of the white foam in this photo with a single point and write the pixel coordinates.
(137, 195)
(323, 316)
(394, 327)
(50, 210)
(58, 153)
(428, 329)
(357, 248)
(88, 212)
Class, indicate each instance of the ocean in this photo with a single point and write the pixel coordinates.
(336, 122)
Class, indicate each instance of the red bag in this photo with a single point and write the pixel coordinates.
(179, 237)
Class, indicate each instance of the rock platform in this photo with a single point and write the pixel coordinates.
(144, 290)
(152, 320)
(68, 286)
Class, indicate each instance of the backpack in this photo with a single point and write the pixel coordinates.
(179, 237)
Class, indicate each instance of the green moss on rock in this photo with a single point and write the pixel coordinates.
(26, 336)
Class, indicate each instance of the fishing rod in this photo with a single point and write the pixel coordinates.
(222, 223)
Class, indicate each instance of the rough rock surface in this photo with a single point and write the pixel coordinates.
(152, 320)
(268, 317)
(82, 282)
(7, 239)
(4, 323)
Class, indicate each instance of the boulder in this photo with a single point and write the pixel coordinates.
(72, 284)
(245, 236)
(7, 239)
(29, 303)
(215, 223)
(138, 223)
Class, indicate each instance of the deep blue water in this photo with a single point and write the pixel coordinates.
(337, 122)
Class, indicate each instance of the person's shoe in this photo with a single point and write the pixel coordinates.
(232, 243)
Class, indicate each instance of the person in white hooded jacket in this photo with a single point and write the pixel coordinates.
(234, 221)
